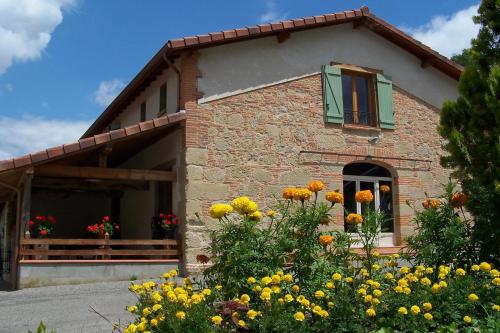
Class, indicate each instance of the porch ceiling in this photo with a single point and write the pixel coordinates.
(124, 143)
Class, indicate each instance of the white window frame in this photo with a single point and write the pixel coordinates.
(386, 238)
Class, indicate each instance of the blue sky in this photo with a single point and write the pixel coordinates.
(62, 61)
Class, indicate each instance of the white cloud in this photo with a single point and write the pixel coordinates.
(448, 35)
(272, 13)
(28, 134)
(107, 91)
(26, 27)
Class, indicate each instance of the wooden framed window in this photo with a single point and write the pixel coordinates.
(358, 94)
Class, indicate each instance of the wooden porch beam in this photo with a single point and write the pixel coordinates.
(66, 171)
(82, 184)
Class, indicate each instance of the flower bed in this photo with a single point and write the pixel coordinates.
(327, 287)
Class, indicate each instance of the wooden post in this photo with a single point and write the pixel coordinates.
(106, 247)
(27, 235)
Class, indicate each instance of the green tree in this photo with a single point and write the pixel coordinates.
(464, 58)
(471, 126)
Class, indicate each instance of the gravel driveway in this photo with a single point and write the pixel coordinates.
(65, 308)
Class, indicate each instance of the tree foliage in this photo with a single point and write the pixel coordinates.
(471, 126)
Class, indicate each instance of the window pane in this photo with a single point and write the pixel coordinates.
(347, 98)
(366, 169)
(349, 202)
(386, 207)
(363, 100)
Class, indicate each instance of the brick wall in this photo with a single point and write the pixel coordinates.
(253, 144)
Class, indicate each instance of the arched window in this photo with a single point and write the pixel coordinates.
(366, 176)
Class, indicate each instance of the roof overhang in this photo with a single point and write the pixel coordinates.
(124, 143)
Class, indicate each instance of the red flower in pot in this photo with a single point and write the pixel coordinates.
(106, 226)
(42, 225)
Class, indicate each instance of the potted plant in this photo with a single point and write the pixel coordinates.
(42, 226)
(106, 226)
(168, 223)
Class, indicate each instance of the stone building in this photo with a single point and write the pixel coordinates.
(345, 98)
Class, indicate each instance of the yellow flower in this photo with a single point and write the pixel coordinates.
(398, 289)
(365, 196)
(334, 197)
(271, 214)
(431, 203)
(288, 193)
(241, 323)
(385, 188)
(377, 293)
(206, 292)
(180, 315)
(475, 268)
(245, 298)
(299, 316)
(460, 272)
(336, 277)
(404, 270)
(255, 216)
(425, 281)
(251, 280)
(389, 276)
(146, 311)
(243, 205)
(402, 311)
(428, 316)
(429, 270)
(484, 266)
(467, 319)
(329, 285)
(156, 307)
(252, 314)
(132, 328)
(325, 240)
(415, 309)
(370, 312)
(354, 218)
(348, 279)
(407, 290)
(132, 309)
(319, 294)
(287, 278)
(218, 211)
(302, 194)
(362, 291)
(315, 186)
(473, 297)
(495, 307)
(154, 322)
(496, 281)
(266, 280)
(295, 288)
(427, 306)
(217, 320)
(443, 284)
(265, 296)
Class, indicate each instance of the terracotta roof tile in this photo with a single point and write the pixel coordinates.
(133, 129)
(265, 28)
(117, 134)
(102, 138)
(253, 30)
(277, 26)
(177, 42)
(22, 161)
(39, 156)
(191, 41)
(55, 151)
(287, 24)
(242, 32)
(146, 125)
(309, 20)
(229, 33)
(349, 14)
(160, 121)
(204, 39)
(71, 147)
(330, 17)
(320, 19)
(298, 22)
(340, 16)
(6, 165)
(217, 36)
(87, 142)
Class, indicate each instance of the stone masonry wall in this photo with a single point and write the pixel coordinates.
(255, 144)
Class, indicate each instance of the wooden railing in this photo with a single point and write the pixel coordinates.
(97, 249)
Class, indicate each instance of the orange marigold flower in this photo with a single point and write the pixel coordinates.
(334, 197)
(353, 218)
(459, 199)
(385, 188)
(365, 196)
(302, 194)
(428, 203)
(288, 193)
(315, 186)
(325, 240)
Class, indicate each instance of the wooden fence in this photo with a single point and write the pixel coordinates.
(97, 249)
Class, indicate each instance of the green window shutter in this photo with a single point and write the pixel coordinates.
(332, 95)
(385, 108)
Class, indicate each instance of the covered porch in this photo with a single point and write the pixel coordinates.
(123, 179)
